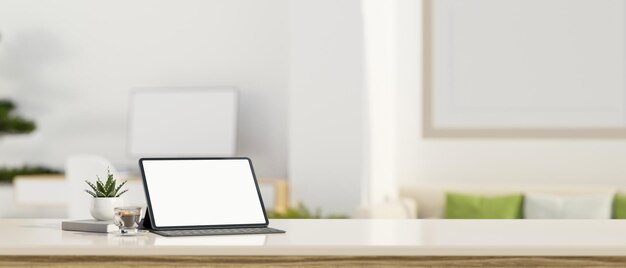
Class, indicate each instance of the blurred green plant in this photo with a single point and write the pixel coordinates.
(7, 174)
(13, 124)
(302, 212)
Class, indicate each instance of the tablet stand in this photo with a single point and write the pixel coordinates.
(147, 223)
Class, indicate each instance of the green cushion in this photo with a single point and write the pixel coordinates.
(619, 206)
(466, 206)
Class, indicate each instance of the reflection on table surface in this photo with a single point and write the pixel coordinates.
(150, 239)
(223, 240)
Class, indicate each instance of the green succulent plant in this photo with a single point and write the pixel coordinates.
(110, 188)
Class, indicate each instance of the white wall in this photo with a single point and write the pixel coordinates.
(326, 107)
(559, 161)
(381, 62)
(409, 159)
(69, 65)
(301, 69)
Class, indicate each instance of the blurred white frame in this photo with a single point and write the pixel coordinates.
(200, 121)
(518, 68)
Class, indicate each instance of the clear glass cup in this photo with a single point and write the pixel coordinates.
(127, 219)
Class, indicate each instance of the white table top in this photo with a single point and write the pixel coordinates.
(338, 237)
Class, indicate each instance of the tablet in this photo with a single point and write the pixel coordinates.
(191, 193)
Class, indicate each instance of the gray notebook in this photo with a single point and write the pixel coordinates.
(94, 226)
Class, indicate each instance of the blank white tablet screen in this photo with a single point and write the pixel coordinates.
(196, 192)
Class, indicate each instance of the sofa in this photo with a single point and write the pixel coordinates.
(430, 198)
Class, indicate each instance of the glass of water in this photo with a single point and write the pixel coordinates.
(127, 219)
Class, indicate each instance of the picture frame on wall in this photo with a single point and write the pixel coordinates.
(524, 69)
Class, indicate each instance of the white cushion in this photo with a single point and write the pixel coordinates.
(546, 206)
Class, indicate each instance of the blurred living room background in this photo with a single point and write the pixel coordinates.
(352, 108)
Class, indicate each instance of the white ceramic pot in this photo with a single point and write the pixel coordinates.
(102, 208)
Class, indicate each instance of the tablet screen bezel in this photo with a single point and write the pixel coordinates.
(149, 203)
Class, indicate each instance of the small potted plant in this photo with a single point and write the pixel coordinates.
(106, 196)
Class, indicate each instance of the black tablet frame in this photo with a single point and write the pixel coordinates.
(150, 214)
